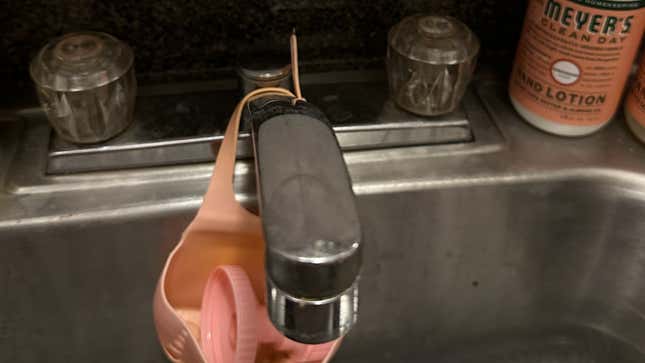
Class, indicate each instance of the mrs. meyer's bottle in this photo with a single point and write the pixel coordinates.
(573, 61)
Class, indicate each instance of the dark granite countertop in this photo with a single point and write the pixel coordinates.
(201, 39)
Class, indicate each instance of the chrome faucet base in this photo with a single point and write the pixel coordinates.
(312, 321)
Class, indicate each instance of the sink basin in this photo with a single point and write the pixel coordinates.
(521, 272)
(518, 248)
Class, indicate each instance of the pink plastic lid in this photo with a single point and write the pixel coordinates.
(233, 323)
(228, 322)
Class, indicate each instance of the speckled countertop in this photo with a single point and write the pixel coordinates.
(197, 39)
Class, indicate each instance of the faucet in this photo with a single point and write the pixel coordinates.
(310, 221)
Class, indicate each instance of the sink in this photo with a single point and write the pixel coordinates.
(512, 272)
(518, 247)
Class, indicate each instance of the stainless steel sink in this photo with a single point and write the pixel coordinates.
(518, 247)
